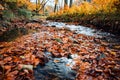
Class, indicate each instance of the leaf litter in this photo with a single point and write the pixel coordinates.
(95, 61)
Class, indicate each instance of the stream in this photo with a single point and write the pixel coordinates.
(111, 38)
(56, 68)
(79, 29)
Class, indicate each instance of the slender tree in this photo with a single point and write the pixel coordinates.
(55, 8)
(71, 1)
(65, 3)
(36, 6)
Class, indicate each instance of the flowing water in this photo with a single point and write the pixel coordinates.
(53, 70)
(56, 70)
(86, 31)
(79, 29)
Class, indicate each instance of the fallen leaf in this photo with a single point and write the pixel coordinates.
(7, 67)
(118, 47)
(113, 53)
(36, 61)
(23, 66)
(102, 48)
(56, 61)
(67, 64)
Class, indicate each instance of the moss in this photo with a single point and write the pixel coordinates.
(24, 13)
(13, 34)
(8, 14)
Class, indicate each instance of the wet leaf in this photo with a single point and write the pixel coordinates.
(101, 56)
(56, 61)
(67, 64)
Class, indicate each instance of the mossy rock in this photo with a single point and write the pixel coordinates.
(13, 34)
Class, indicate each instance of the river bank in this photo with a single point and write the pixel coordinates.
(105, 22)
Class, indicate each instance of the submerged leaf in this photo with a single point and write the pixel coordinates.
(101, 56)
(56, 61)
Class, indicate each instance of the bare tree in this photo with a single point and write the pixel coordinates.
(55, 8)
(40, 5)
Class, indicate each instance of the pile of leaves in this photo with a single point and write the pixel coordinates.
(95, 61)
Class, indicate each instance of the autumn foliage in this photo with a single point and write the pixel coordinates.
(95, 7)
(27, 3)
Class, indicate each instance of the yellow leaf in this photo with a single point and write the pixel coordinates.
(113, 53)
(117, 47)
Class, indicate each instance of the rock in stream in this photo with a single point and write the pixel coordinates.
(56, 69)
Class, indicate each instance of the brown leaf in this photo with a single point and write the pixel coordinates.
(7, 59)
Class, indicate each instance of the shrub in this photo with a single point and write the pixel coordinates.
(24, 13)
(7, 14)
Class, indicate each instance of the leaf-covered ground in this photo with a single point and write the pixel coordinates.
(96, 60)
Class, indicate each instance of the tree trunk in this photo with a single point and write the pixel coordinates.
(65, 3)
(36, 6)
(55, 8)
(71, 1)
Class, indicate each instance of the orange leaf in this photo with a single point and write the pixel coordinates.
(7, 59)
(102, 49)
(7, 67)
(67, 64)
(65, 40)
(36, 61)
(56, 61)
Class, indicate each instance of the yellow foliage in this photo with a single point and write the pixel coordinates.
(104, 5)
(86, 8)
(96, 6)
(30, 6)
(73, 9)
